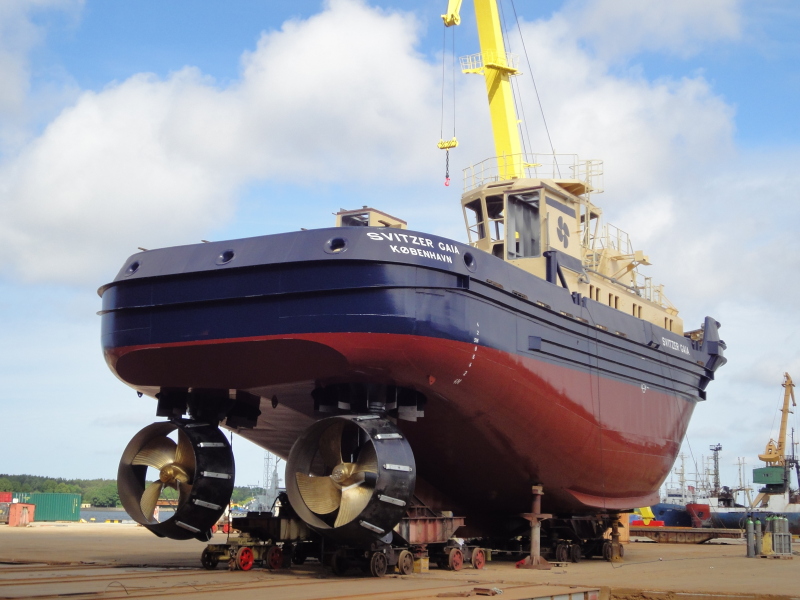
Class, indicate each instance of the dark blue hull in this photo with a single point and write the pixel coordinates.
(288, 284)
(525, 380)
(673, 515)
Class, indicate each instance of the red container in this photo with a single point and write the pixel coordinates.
(19, 515)
(5, 496)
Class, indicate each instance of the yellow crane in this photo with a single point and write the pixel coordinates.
(497, 66)
(775, 453)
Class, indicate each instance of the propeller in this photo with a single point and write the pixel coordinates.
(349, 486)
(175, 464)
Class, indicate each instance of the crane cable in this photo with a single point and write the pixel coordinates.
(535, 89)
(452, 143)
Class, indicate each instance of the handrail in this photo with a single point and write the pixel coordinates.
(565, 167)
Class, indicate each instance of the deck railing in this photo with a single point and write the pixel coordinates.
(536, 166)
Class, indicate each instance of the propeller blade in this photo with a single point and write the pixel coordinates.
(330, 445)
(184, 489)
(354, 500)
(150, 499)
(184, 455)
(367, 459)
(320, 494)
(157, 453)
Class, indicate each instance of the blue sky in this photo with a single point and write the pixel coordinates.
(126, 124)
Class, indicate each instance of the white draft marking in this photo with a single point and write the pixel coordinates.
(475, 340)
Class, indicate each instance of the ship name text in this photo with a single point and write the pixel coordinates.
(415, 240)
(675, 345)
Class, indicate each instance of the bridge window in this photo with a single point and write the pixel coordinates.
(476, 224)
(496, 223)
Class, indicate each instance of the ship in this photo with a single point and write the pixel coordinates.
(672, 508)
(394, 368)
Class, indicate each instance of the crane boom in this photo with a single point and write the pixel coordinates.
(495, 65)
(776, 453)
(497, 73)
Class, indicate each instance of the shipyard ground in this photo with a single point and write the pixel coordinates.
(119, 560)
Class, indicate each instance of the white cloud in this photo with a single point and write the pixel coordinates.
(620, 28)
(19, 35)
(150, 162)
(647, 133)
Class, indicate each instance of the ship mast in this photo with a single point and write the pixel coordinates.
(497, 67)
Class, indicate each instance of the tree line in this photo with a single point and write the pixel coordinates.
(97, 492)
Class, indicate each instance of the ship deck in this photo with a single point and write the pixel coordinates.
(119, 560)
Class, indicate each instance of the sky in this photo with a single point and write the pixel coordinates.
(142, 123)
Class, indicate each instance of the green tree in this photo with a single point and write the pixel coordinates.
(105, 495)
(6, 485)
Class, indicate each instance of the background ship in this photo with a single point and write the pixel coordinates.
(672, 509)
(458, 375)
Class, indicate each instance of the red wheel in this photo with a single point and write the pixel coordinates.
(274, 558)
(244, 558)
(455, 559)
(478, 558)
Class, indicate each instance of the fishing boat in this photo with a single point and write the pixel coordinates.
(393, 367)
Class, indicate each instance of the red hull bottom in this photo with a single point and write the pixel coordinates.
(495, 423)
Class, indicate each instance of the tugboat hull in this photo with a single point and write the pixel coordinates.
(525, 382)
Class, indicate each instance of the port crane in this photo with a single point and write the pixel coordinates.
(775, 452)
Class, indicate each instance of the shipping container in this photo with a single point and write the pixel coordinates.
(53, 507)
(5, 496)
(20, 514)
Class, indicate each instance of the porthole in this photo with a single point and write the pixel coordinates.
(336, 245)
(470, 262)
(225, 257)
(132, 268)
